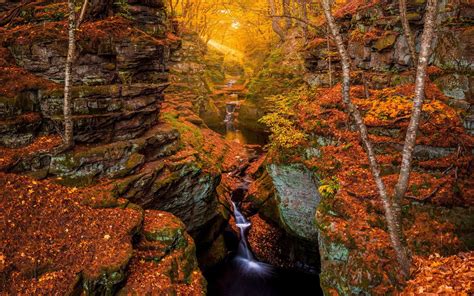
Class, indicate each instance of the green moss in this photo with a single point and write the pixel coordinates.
(386, 41)
(134, 161)
(190, 133)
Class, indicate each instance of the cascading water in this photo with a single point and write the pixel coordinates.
(244, 257)
(240, 273)
(229, 116)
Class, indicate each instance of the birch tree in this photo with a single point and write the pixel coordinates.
(68, 122)
(406, 30)
(68, 140)
(391, 206)
(422, 64)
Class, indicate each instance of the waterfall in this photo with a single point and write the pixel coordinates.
(245, 259)
(229, 116)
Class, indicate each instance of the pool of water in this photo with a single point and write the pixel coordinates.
(241, 274)
(240, 134)
(232, 278)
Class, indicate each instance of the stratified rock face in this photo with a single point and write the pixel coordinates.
(190, 84)
(187, 66)
(297, 199)
(118, 76)
(379, 48)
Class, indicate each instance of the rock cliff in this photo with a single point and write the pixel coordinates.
(126, 147)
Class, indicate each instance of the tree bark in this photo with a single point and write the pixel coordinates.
(275, 21)
(287, 13)
(304, 16)
(83, 13)
(410, 138)
(407, 31)
(392, 223)
(329, 57)
(68, 123)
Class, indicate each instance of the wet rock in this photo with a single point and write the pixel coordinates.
(297, 198)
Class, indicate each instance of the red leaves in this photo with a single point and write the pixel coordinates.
(49, 235)
(438, 275)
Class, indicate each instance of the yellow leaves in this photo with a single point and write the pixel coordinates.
(327, 190)
(329, 187)
(396, 106)
(282, 122)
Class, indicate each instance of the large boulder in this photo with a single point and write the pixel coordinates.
(297, 199)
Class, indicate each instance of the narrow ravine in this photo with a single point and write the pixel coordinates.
(241, 273)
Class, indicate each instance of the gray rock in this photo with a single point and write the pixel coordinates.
(297, 197)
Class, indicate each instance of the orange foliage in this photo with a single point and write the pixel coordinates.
(356, 217)
(44, 143)
(78, 240)
(352, 6)
(436, 275)
(14, 80)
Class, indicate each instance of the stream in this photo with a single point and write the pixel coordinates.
(241, 274)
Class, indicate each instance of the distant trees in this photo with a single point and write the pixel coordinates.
(285, 16)
(277, 28)
(391, 206)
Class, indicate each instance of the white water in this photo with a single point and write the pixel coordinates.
(245, 259)
(229, 116)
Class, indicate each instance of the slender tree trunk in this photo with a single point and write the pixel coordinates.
(68, 123)
(275, 20)
(329, 57)
(410, 139)
(366, 86)
(304, 16)
(287, 13)
(171, 7)
(83, 13)
(407, 31)
(392, 223)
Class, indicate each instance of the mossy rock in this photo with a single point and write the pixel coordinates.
(163, 227)
(387, 41)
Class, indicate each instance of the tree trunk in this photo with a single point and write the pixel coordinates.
(392, 223)
(329, 57)
(68, 123)
(407, 31)
(275, 21)
(287, 14)
(83, 13)
(410, 138)
(304, 16)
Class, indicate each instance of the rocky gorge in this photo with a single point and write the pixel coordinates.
(143, 203)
